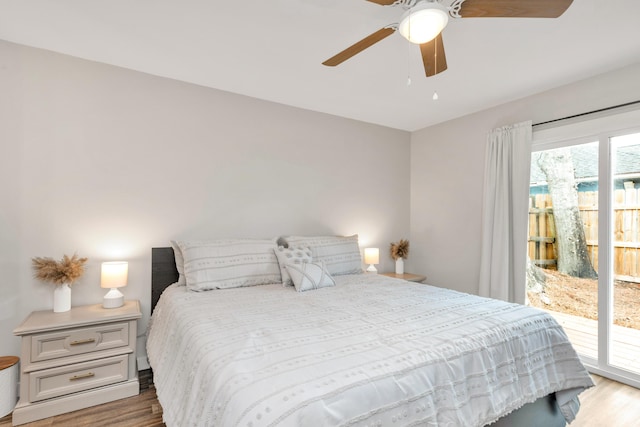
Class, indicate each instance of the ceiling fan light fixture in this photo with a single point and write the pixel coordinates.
(423, 23)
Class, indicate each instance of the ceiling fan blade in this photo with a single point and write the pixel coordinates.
(383, 2)
(433, 56)
(358, 47)
(514, 8)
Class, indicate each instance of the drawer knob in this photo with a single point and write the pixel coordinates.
(82, 376)
(79, 342)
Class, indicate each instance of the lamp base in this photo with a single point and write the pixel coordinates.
(372, 269)
(113, 299)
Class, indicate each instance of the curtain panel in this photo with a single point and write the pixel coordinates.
(505, 213)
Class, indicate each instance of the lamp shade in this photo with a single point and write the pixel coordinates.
(372, 256)
(114, 274)
(423, 23)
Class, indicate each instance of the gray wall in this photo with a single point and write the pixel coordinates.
(447, 172)
(108, 163)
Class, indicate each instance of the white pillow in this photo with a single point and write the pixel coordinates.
(307, 276)
(341, 255)
(177, 253)
(295, 255)
(222, 264)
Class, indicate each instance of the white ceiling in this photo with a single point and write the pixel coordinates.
(273, 50)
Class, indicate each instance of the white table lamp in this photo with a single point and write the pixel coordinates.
(371, 257)
(114, 276)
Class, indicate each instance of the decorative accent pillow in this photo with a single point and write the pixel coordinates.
(222, 264)
(341, 254)
(308, 276)
(177, 254)
(294, 255)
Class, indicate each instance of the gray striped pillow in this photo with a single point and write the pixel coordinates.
(341, 254)
(231, 263)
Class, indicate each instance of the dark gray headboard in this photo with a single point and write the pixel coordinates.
(163, 272)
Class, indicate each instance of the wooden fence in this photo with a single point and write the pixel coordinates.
(626, 226)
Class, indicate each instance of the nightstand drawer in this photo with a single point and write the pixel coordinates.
(61, 381)
(79, 341)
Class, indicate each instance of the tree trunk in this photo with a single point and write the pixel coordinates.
(536, 278)
(571, 242)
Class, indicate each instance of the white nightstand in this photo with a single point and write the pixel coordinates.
(407, 276)
(76, 359)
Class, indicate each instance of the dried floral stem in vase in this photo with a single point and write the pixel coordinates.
(400, 249)
(67, 270)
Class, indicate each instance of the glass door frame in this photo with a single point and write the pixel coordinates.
(602, 130)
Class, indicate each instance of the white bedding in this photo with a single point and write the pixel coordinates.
(370, 351)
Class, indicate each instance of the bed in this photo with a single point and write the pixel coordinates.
(366, 350)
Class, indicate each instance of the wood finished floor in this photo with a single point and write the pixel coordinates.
(608, 404)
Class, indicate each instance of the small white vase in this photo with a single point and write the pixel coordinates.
(400, 266)
(62, 298)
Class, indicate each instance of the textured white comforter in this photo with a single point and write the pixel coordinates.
(366, 352)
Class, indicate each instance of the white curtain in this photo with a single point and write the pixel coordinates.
(505, 213)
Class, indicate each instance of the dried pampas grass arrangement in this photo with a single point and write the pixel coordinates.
(67, 270)
(400, 249)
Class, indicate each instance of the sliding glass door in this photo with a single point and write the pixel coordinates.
(625, 331)
(563, 238)
(584, 243)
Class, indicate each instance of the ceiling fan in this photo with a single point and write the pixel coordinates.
(423, 21)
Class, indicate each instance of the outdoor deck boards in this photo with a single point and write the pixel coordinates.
(583, 334)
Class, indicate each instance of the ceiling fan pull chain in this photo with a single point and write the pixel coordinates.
(408, 64)
(435, 55)
(408, 61)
